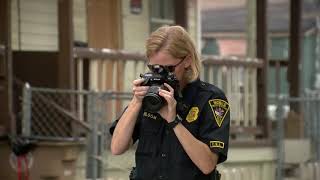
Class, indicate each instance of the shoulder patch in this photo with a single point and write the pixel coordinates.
(193, 114)
(219, 109)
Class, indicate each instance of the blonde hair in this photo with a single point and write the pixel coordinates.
(177, 42)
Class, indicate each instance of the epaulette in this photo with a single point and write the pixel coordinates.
(210, 87)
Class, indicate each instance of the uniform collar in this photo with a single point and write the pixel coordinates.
(190, 90)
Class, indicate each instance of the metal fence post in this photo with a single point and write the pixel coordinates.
(313, 130)
(102, 148)
(308, 117)
(317, 120)
(101, 130)
(280, 137)
(26, 110)
(92, 162)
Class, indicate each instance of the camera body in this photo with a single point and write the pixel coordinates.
(152, 102)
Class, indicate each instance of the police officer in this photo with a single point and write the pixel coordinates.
(175, 145)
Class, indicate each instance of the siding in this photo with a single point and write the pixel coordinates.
(135, 27)
(135, 32)
(36, 27)
(35, 24)
(14, 25)
(80, 20)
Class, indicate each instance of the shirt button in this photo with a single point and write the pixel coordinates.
(163, 155)
(161, 177)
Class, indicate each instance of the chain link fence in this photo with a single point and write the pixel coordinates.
(68, 115)
(54, 114)
(296, 134)
(103, 109)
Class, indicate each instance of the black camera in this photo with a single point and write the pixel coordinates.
(152, 102)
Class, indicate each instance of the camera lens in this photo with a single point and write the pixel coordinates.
(152, 102)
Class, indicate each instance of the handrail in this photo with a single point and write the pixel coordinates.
(104, 53)
(232, 61)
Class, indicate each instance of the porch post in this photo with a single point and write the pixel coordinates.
(262, 50)
(66, 66)
(7, 120)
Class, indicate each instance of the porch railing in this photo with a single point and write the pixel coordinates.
(114, 70)
(238, 78)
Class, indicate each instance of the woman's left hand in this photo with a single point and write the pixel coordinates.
(168, 112)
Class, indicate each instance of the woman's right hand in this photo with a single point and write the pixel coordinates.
(139, 91)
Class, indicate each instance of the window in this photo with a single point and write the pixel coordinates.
(162, 13)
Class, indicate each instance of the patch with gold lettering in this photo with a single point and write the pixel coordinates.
(193, 114)
(217, 144)
(220, 109)
(149, 115)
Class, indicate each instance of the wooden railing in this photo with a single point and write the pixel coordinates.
(115, 70)
(108, 70)
(238, 78)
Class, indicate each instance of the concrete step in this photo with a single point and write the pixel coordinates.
(297, 150)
